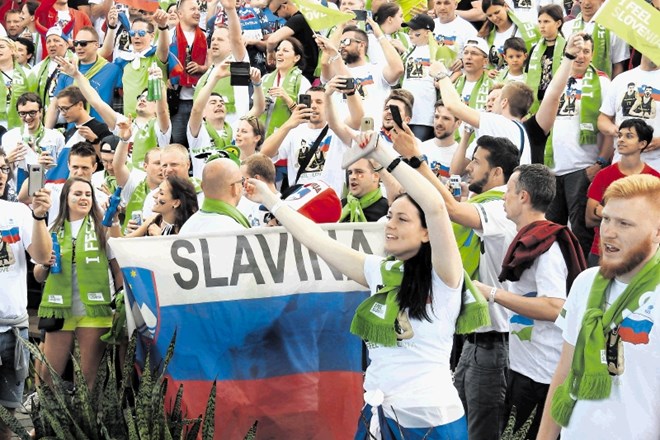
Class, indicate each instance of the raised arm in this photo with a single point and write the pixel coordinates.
(331, 62)
(458, 161)
(258, 98)
(272, 144)
(394, 69)
(340, 128)
(41, 244)
(112, 21)
(163, 45)
(234, 27)
(451, 98)
(197, 112)
(445, 255)
(162, 109)
(122, 172)
(103, 108)
(347, 260)
(547, 112)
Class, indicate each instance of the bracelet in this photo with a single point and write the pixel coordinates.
(393, 164)
(277, 206)
(125, 140)
(165, 28)
(254, 84)
(334, 58)
(112, 27)
(491, 295)
(293, 106)
(569, 56)
(376, 170)
(39, 218)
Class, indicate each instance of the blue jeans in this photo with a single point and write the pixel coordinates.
(481, 379)
(11, 387)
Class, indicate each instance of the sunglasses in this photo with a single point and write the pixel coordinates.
(140, 33)
(347, 41)
(82, 43)
(31, 113)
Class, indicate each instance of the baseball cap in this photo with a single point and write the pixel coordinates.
(479, 43)
(57, 30)
(109, 144)
(420, 21)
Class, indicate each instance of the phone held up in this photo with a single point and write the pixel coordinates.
(356, 153)
(35, 179)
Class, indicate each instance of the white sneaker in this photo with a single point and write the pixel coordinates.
(26, 407)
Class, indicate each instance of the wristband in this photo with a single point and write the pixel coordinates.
(276, 207)
(491, 295)
(125, 140)
(254, 84)
(163, 28)
(334, 58)
(350, 93)
(112, 27)
(39, 218)
(602, 162)
(569, 56)
(393, 164)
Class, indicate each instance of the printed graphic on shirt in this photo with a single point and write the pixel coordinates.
(522, 4)
(360, 83)
(568, 101)
(445, 40)
(417, 67)
(640, 101)
(317, 162)
(10, 234)
(636, 327)
(522, 326)
(439, 169)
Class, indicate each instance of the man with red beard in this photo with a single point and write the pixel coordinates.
(607, 384)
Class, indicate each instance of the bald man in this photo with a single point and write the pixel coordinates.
(222, 184)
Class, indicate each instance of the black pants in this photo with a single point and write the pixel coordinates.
(525, 394)
(180, 123)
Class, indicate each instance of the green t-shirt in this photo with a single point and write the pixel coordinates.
(135, 81)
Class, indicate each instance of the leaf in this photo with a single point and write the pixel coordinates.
(209, 415)
(111, 403)
(194, 429)
(142, 401)
(82, 395)
(128, 367)
(176, 416)
(252, 433)
(130, 424)
(13, 424)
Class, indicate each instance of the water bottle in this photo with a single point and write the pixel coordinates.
(57, 265)
(112, 207)
(154, 91)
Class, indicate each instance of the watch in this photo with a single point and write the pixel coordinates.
(393, 164)
(602, 162)
(441, 75)
(415, 161)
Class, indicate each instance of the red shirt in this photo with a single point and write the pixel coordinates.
(602, 180)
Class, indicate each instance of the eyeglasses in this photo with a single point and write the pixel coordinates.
(242, 182)
(143, 97)
(139, 33)
(347, 41)
(31, 113)
(5, 170)
(82, 43)
(65, 108)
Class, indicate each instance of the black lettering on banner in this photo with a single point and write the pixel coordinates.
(185, 264)
(300, 262)
(314, 260)
(360, 241)
(208, 277)
(243, 247)
(276, 270)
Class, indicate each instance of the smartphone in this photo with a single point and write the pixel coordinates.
(355, 153)
(349, 84)
(239, 73)
(35, 179)
(396, 116)
(360, 14)
(306, 100)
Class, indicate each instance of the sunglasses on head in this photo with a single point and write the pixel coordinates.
(82, 43)
(140, 33)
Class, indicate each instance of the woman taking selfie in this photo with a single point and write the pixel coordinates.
(176, 201)
(419, 287)
(76, 298)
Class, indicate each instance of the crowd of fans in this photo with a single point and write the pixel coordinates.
(206, 115)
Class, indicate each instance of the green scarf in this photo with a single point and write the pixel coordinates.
(589, 378)
(354, 206)
(440, 53)
(37, 136)
(601, 36)
(590, 101)
(136, 202)
(535, 68)
(277, 113)
(529, 32)
(223, 88)
(220, 141)
(223, 208)
(477, 100)
(144, 140)
(469, 243)
(92, 275)
(19, 85)
(375, 318)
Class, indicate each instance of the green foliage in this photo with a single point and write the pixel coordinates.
(521, 434)
(126, 409)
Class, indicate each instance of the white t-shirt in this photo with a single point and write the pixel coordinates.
(16, 227)
(496, 50)
(569, 154)
(52, 138)
(535, 345)
(372, 87)
(492, 124)
(621, 104)
(202, 221)
(56, 192)
(454, 34)
(619, 50)
(375, 50)
(134, 179)
(439, 158)
(416, 80)
(497, 233)
(631, 410)
(252, 212)
(415, 374)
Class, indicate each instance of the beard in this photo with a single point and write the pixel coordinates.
(478, 186)
(442, 135)
(631, 259)
(350, 58)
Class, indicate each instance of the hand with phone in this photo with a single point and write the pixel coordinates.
(396, 116)
(41, 202)
(300, 115)
(36, 176)
(404, 141)
(363, 145)
(46, 160)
